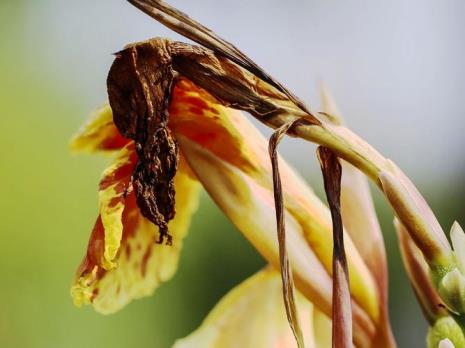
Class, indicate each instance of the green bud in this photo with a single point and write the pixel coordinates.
(445, 328)
(451, 286)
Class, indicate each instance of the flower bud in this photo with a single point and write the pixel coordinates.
(451, 286)
(419, 275)
(457, 237)
(445, 333)
(415, 214)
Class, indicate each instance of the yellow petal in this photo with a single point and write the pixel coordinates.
(141, 263)
(99, 134)
(230, 158)
(251, 208)
(322, 327)
(114, 187)
(252, 315)
(197, 116)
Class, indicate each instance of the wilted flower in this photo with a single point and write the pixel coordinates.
(173, 126)
(221, 150)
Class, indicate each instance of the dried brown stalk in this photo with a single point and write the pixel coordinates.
(286, 271)
(342, 313)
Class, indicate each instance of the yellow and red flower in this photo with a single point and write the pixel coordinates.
(223, 152)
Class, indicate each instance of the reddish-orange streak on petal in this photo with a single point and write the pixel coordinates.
(114, 143)
(120, 176)
(94, 249)
(96, 246)
(192, 116)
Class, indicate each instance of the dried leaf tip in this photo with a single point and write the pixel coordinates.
(286, 271)
(342, 311)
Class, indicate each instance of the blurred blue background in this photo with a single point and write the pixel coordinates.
(395, 68)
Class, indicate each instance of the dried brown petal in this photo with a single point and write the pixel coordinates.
(188, 27)
(139, 89)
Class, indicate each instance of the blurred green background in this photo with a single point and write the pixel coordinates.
(53, 62)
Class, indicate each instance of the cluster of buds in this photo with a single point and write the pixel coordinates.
(174, 123)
